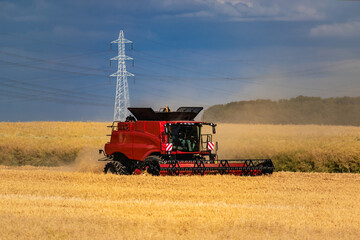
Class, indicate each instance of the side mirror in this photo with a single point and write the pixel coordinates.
(214, 130)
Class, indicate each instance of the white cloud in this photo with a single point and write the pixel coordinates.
(244, 10)
(247, 3)
(13, 12)
(334, 79)
(348, 29)
(194, 14)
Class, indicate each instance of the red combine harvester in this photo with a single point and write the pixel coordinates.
(170, 143)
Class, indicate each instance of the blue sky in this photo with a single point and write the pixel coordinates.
(54, 55)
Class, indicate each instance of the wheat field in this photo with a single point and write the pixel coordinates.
(306, 148)
(74, 200)
(48, 143)
(51, 203)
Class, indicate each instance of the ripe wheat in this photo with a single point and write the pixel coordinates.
(43, 203)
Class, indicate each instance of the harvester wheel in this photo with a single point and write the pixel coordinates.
(121, 169)
(151, 165)
(115, 168)
(110, 168)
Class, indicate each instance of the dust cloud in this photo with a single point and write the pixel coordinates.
(86, 161)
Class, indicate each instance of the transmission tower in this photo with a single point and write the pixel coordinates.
(122, 100)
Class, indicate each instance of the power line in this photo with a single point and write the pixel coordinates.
(247, 79)
(250, 79)
(294, 72)
(51, 69)
(37, 68)
(52, 90)
(179, 79)
(72, 46)
(32, 97)
(51, 62)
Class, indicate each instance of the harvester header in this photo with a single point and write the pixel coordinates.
(171, 143)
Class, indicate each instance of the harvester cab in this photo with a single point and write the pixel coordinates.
(170, 143)
(188, 137)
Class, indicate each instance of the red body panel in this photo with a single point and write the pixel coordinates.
(121, 140)
(137, 140)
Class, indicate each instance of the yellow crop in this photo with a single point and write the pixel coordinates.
(56, 136)
(48, 143)
(292, 147)
(45, 203)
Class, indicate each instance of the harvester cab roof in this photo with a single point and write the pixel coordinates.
(181, 114)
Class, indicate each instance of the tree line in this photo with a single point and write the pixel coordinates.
(298, 110)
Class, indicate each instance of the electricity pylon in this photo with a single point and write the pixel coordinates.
(122, 100)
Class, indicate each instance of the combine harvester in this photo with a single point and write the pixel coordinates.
(170, 143)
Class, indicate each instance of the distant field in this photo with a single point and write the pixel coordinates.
(48, 203)
(48, 143)
(292, 147)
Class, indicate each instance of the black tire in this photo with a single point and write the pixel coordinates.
(124, 165)
(151, 165)
(110, 168)
(115, 168)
